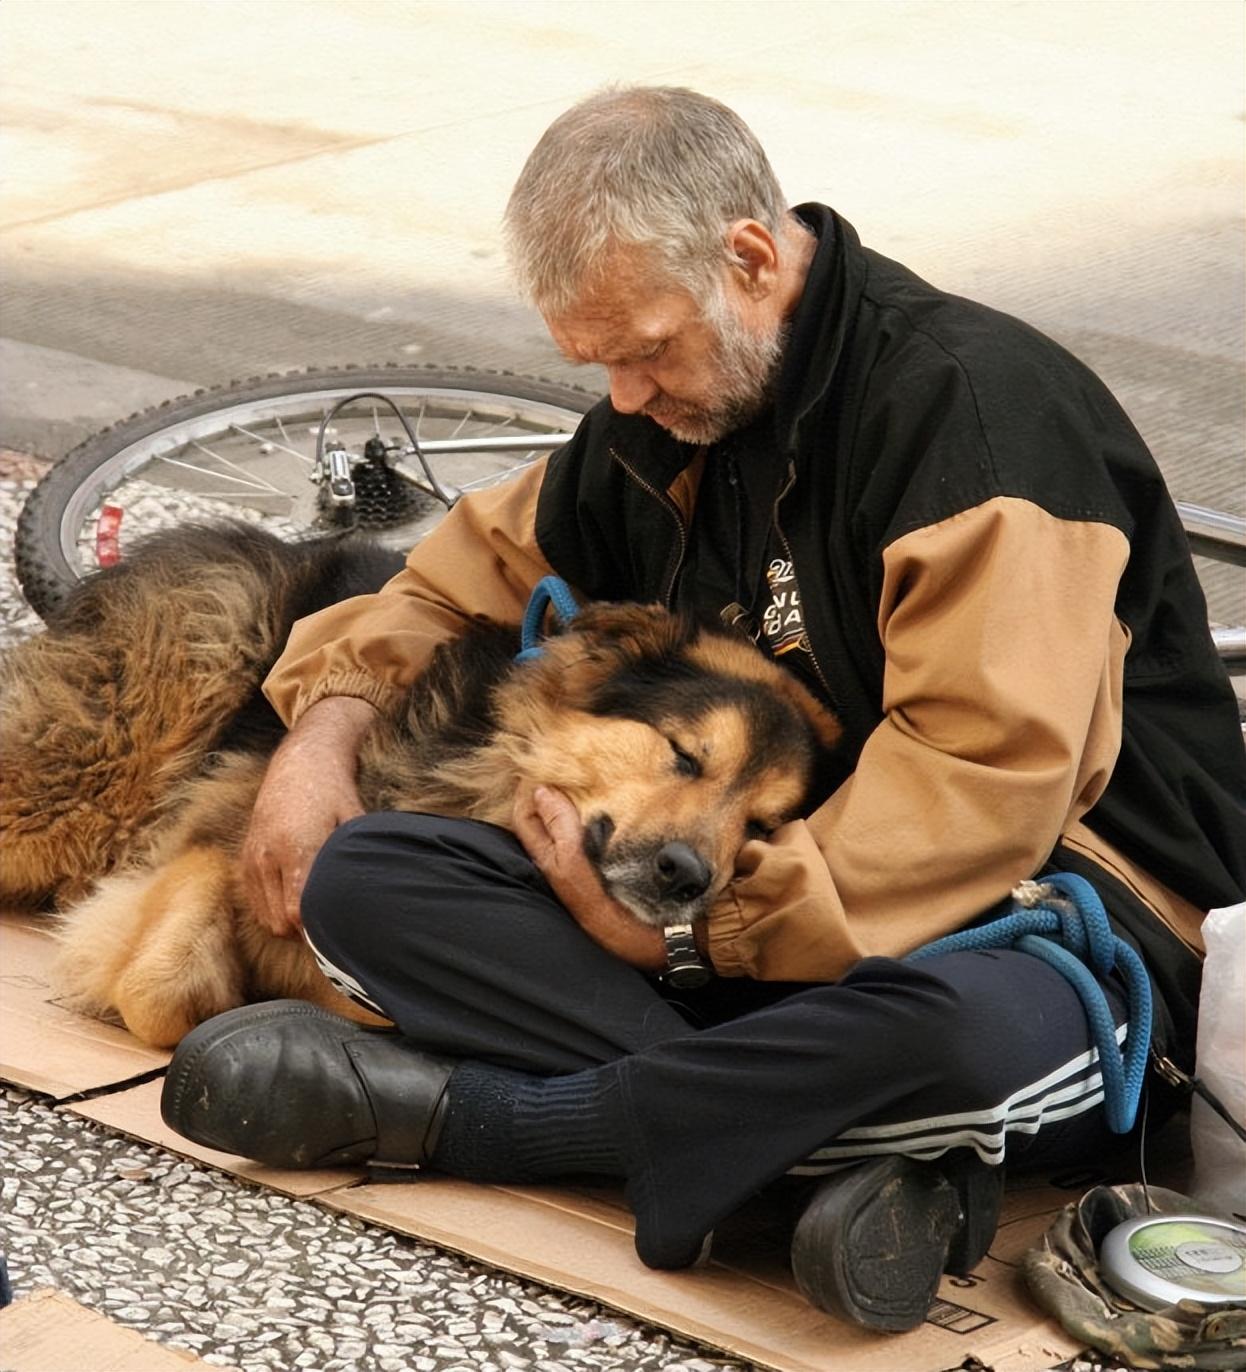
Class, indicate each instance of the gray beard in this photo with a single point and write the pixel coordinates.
(747, 364)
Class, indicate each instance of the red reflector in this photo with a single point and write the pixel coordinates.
(107, 533)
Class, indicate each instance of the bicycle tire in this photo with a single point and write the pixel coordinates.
(52, 543)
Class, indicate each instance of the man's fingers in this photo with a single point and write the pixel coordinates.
(308, 790)
(548, 826)
(530, 830)
(558, 815)
(292, 882)
(254, 883)
(265, 884)
(268, 896)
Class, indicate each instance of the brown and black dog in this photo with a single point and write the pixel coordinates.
(134, 739)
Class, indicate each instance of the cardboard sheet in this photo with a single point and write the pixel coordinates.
(48, 1332)
(43, 1046)
(577, 1240)
(744, 1301)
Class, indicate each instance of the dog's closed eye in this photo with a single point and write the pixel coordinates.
(685, 763)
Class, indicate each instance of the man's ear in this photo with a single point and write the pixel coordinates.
(754, 257)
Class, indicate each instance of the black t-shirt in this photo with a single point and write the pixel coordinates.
(736, 568)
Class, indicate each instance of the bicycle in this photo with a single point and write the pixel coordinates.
(384, 449)
(303, 453)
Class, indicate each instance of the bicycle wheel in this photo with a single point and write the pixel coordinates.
(247, 450)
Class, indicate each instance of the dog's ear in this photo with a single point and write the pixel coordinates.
(731, 653)
(826, 727)
(604, 640)
(629, 630)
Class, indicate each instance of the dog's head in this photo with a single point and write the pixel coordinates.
(677, 744)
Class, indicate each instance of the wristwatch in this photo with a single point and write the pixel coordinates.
(684, 968)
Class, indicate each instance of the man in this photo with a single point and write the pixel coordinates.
(945, 527)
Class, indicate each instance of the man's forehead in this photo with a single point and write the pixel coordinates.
(627, 303)
(616, 324)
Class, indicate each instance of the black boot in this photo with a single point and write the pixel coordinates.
(291, 1085)
(875, 1239)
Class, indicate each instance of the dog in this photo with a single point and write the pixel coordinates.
(135, 739)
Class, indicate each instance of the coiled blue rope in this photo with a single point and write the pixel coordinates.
(550, 590)
(1070, 932)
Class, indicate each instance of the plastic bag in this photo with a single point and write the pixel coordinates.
(1219, 1182)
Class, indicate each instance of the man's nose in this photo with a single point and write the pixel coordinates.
(630, 389)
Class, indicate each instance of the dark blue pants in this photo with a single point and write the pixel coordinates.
(448, 929)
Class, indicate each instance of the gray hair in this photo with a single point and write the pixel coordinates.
(658, 168)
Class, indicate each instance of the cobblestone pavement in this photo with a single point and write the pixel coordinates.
(18, 475)
(252, 1279)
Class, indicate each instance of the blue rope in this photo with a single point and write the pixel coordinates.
(550, 590)
(1073, 936)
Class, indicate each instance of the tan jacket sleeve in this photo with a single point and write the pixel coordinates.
(1002, 702)
(482, 559)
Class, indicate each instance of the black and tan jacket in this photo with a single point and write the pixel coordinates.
(997, 600)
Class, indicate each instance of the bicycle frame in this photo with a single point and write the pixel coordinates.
(1222, 537)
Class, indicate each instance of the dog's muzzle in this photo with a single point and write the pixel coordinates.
(682, 873)
(668, 884)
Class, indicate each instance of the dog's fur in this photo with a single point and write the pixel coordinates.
(134, 741)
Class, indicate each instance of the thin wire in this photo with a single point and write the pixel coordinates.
(1146, 1190)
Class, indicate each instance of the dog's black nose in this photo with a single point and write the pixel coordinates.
(683, 874)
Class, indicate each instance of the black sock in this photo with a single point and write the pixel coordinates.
(505, 1126)
(508, 1126)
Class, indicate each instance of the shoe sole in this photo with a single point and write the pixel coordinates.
(872, 1245)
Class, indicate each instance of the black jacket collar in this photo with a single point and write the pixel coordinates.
(821, 322)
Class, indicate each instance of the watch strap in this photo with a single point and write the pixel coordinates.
(684, 965)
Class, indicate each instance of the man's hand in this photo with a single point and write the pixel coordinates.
(549, 828)
(308, 791)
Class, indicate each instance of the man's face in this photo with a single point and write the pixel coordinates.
(700, 373)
